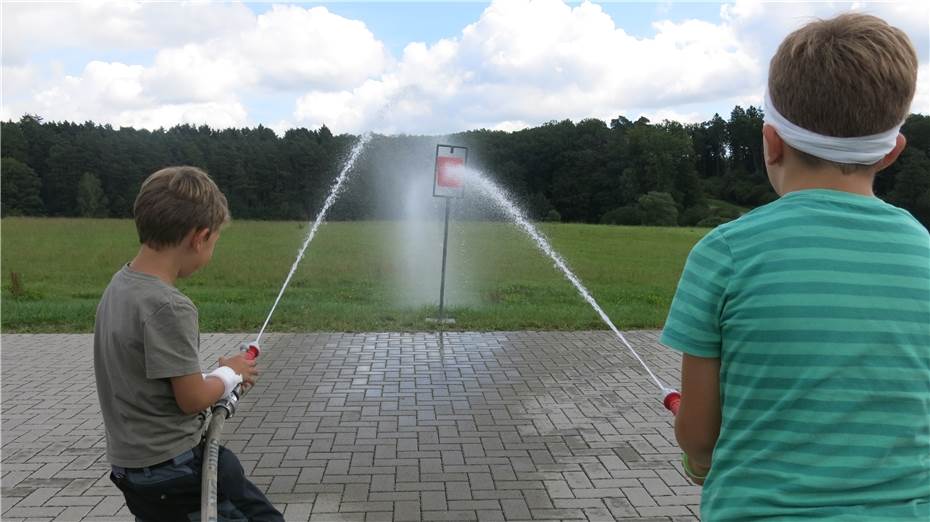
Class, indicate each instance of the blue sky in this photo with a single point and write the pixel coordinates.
(412, 67)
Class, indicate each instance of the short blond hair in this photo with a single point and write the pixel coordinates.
(174, 201)
(853, 75)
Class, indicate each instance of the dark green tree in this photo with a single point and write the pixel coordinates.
(912, 186)
(19, 190)
(588, 171)
(13, 143)
(92, 202)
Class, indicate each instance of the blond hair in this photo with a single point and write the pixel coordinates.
(849, 76)
(174, 201)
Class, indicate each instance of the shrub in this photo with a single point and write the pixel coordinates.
(658, 209)
(693, 215)
(628, 215)
(713, 221)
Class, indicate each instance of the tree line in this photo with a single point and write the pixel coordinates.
(592, 171)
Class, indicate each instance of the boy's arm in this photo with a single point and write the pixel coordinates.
(194, 393)
(197, 392)
(697, 424)
(695, 328)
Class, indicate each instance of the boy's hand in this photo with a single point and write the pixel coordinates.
(697, 425)
(244, 367)
(695, 471)
(700, 471)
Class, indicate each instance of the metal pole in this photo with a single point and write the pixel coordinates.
(445, 242)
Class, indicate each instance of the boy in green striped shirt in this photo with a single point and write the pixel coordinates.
(805, 324)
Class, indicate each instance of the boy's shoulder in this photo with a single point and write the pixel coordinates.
(813, 218)
(830, 206)
(145, 292)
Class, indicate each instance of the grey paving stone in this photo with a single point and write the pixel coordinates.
(664, 511)
(407, 511)
(598, 514)
(515, 509)
(297, 512)
(379, 516)
(434, 501)
(559, 514)
(327, 503)
(337, 517)
(639, 497)
(382, 426)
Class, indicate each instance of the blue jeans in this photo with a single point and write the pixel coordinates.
(170, 491)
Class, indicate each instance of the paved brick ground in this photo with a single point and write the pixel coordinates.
(367, 427)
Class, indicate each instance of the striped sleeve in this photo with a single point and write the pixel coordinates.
(693, 324)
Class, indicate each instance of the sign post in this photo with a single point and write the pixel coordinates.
(448, 184)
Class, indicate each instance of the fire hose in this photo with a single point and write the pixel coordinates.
(222, 410)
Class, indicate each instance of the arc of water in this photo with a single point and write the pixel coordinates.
(499, 197)
(330, 199)
(226, 406)
(402, 92)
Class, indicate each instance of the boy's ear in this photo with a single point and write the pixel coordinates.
(199, 237)
(774, 146)
(892, 156)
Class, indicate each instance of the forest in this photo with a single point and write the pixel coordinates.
(618, 172)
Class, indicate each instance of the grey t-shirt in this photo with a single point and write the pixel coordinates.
(146, 332)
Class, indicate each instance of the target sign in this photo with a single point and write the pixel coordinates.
(447, 178)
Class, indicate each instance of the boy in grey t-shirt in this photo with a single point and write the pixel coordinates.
(147, 365)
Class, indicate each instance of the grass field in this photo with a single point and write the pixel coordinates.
(346, 282)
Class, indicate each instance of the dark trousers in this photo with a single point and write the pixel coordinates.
(170, 491)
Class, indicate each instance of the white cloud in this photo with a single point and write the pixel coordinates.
(295, 47)
(117, 91)
(196, 73)
(578, 60)
(521, 63)
(341, 110)
(17, 78)
(761, 26)
(510, 126)
(214, 114)
(283, 48)
(673, 115)
(77, 96)
(32, 27)
(532, 61)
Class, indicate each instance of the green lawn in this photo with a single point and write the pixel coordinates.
(348, 280)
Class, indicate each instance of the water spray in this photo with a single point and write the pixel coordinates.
(226, 407)
(671, 398)
(330, 199)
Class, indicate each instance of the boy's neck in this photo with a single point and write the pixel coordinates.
(797, 179)
(164, 264)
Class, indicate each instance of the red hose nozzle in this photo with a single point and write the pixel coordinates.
(672, 401)
(253, 351)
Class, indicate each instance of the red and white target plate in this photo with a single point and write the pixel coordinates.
(447, 179)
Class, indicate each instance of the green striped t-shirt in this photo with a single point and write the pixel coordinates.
(818, 306)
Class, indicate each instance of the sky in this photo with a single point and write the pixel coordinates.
(412, 68)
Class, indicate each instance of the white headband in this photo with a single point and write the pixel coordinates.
(861, 150)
